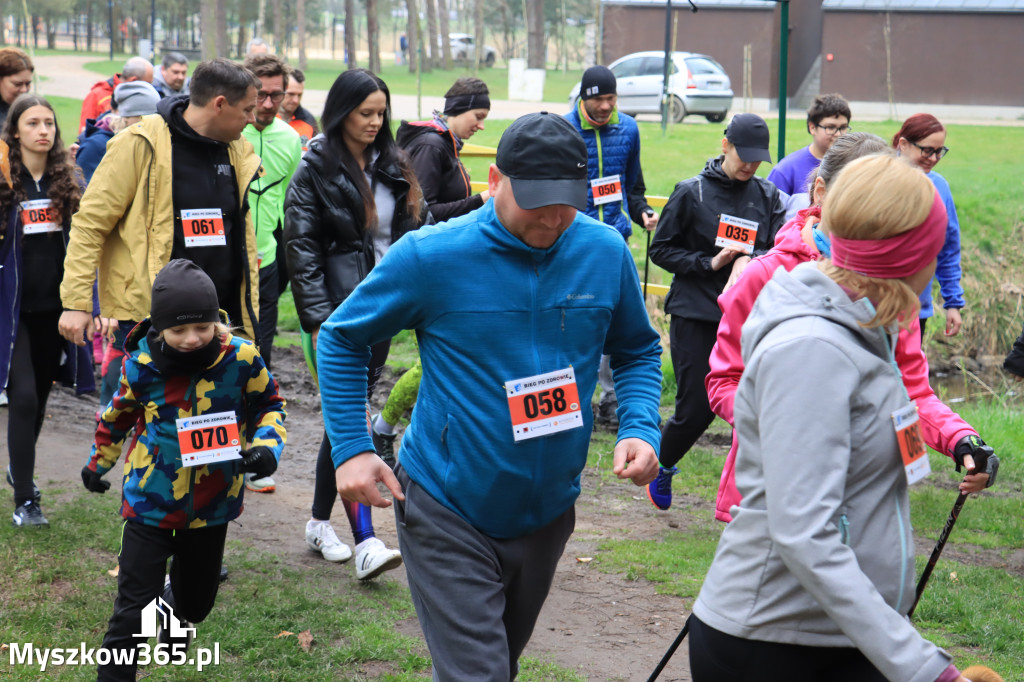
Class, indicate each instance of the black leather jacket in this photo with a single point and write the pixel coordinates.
(328, 248)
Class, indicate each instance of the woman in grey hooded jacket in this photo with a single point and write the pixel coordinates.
(813, 579)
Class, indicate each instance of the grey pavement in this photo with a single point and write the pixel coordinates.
(66, 76)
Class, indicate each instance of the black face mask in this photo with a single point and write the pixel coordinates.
(171, 361)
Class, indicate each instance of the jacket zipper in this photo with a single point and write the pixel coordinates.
(190, 508)
(600, 169)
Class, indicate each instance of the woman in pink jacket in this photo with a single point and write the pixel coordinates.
(798, 241)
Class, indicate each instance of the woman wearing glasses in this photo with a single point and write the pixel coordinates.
(921, 141)
(353, 195)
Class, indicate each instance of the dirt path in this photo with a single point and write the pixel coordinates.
(604, 626)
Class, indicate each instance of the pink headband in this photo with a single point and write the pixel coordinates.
(894, 257)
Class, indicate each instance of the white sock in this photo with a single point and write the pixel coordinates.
(382, 427)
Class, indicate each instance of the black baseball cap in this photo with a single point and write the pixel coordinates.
(749, 134)
(545, 159)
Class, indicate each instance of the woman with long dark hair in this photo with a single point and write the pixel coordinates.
(921, 141)
(353, 195)
(36, 207)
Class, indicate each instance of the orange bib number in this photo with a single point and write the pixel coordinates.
(38, 216)
(912, 448)
(733, 231)
(203, 227)
(606, 189)
(544, 404)
(208, 439)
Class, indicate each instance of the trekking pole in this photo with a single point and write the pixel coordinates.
(672, 649)
(933, 559)
(647, 262)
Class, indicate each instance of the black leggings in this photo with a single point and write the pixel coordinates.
(34, 363)
(691, 342)
(716, 656)
(325, 490)
(195, 554)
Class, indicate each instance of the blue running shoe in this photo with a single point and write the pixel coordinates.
(660, 489)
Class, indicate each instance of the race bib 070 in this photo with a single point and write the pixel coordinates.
(208, 439)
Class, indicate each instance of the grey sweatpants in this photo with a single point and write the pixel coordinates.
(477, 598)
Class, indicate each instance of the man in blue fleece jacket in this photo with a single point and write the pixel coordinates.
(513, 306)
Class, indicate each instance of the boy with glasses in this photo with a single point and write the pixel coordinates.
(827, 118)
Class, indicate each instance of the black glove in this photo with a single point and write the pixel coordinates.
(259, 460)
(985, 460)
(93, 481)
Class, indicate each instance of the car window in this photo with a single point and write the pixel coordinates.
(704, 66)
(628, 68)
(655, 66)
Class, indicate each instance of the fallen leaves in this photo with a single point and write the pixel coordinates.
(305, 638)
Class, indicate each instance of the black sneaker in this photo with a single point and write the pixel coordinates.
(384, 444)
(606, 417)
(36, 494)
(29, 514)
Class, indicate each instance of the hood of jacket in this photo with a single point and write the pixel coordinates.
(713, 171)
(790, 240)
(410, 130)
(807, 292)
(172, 109)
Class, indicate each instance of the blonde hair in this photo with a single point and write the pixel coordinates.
(876, 197)
(219, 330)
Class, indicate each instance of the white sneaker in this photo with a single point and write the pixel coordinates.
(3, 398)
(259, 485)
(373, 558)
(320, 537)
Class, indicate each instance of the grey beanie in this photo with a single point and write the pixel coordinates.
(137, 98)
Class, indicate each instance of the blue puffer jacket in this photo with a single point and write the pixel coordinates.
(612, 149)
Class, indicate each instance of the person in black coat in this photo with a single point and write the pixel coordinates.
(353, 195)
(710, 228)
(434, 146)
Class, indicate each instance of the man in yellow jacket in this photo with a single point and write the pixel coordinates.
(171, 186)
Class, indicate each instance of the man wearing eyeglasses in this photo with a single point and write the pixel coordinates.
(280, 148)
(175, 185)
(827, 118)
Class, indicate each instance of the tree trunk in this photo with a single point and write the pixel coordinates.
(535, 58)
(478, 33)
(412, 34)
(208, 35)
(446, 46)
(300, 20)
(88, 26)
(222, 28)
(261, 15)
(350, 34)
(51, 33)
(278, 29)
(431, 36)
(373, 35)
(240, 43)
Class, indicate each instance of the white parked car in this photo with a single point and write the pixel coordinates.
(464, 49)
(697, 85)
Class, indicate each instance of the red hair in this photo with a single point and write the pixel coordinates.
(917, 127)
